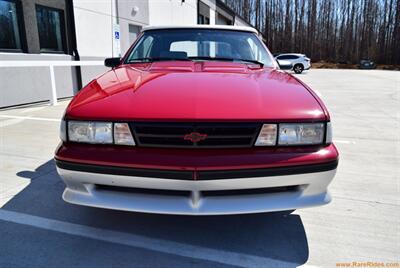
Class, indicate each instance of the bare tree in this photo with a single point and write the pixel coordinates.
(330, 30)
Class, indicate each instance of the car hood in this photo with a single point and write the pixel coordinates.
(179, 91)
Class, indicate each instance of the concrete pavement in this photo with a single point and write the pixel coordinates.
(362, 223)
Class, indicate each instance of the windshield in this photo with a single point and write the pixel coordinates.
(199, 44)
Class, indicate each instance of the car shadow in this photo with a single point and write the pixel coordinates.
(277, 236)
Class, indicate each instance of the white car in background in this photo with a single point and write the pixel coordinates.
(300, 62)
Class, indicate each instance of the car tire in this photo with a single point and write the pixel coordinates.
(298, 68)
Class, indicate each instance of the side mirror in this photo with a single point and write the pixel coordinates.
(112, 62)
(285, 65)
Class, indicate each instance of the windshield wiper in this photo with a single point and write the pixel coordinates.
(149, 59)
(210, 58)
(225, 59)
(253, 61)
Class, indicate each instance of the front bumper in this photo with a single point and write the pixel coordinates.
(265, 190)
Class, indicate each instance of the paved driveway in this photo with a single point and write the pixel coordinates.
(38, 229)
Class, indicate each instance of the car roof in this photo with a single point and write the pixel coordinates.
(208, 27)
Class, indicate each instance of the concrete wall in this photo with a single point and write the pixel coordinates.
(213, 7)
(94, 30)
(93, 23)
(20, 85)
(131, 12)
(91, 72)
(94, 34)
(172, 12)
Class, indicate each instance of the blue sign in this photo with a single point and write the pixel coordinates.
(116, 35)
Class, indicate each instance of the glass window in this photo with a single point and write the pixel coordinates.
(287, 57)
(199, 44)
(142, 49)
(9, 35)
(189, 47)
(257, 51)
(203, 16)
(50, 26)
(203, 20)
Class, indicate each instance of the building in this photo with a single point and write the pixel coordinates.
(81, 30)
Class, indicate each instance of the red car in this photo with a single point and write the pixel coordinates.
(196, 120)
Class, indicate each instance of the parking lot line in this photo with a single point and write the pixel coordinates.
(10, 122)
(128, 239)
(30, 118)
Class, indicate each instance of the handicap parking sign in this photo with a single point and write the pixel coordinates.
(116, 35)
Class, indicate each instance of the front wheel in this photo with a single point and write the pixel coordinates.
(298, 68)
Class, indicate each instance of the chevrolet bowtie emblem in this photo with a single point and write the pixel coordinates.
(195, 137)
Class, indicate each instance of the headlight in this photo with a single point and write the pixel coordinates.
(267, 136)
(294, 134)
(90, 132)
(301, 134)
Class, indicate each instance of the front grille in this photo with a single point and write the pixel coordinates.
(254, 191)
(208, 193)
(100, 187)
(180, 135)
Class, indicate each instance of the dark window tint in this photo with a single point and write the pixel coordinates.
(287, 57)
(50, 25)
(203, 20)
(9, 30)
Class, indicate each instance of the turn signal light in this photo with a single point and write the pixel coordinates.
(123, 135)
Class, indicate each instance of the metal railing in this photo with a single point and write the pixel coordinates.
(51, 65)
